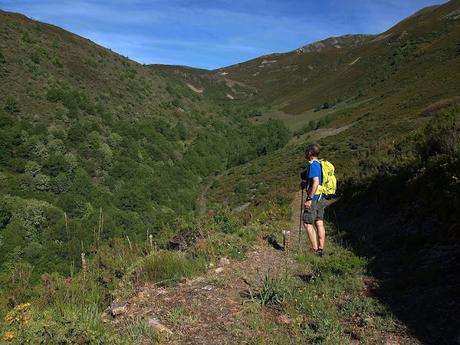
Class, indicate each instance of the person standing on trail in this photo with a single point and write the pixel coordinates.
(315, 202)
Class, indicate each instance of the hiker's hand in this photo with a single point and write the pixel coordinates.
(303, 185)
(307, 204)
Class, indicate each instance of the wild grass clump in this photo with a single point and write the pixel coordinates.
(272, 292)
(167, 267)
(221, 245)
(140, 332)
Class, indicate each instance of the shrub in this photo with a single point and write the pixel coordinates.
(442, 134)
(32, 168)
(55, 164)
(29, 214)
(42, 182)
(226, 221)
(75, 205)
(35, 57)
(5, 216)
(11, 105)
(132, 199)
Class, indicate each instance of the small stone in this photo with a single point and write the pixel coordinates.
(224, 262)
(219, 270)
(162, 291)
(105, 317)
(144, 294)
(157, 326)
(284, 319)
(392, 342)
(118, 308)
(207, 287)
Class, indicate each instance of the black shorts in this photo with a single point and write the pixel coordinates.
(315, 212)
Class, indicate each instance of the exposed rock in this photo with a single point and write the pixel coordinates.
(105, 317)
(453, 15)
(242, 207)
(354, 61)
(118, 308)
(195, 89)
(224, 262)
(219, 270)
(157, 326)
(284, 319)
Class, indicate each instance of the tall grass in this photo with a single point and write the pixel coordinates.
(168, 267)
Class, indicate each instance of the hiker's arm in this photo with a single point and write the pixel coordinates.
(314, 187)
(313, 190)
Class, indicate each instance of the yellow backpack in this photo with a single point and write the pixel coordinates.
(329, 185)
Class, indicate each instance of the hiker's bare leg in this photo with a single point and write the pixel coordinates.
(321, 233)
(312, 235)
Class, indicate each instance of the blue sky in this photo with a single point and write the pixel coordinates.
(213, 33)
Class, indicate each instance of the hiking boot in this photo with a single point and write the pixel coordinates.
(320, 252)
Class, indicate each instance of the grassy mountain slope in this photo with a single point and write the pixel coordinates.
(208, 83)
(341, 68)
(86, 133)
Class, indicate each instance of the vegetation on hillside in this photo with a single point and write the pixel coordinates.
(101, 138)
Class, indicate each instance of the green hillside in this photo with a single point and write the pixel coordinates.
(86, 132)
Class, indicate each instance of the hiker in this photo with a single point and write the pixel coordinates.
(315, 202)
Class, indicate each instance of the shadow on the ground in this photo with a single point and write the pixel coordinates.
(271, 240)
(416, 261)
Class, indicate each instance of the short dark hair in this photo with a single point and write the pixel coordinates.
(313, 150)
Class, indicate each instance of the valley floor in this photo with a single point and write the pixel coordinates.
(271, 297)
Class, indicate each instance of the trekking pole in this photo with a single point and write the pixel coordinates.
(300, 217)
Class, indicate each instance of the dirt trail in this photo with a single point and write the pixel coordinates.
(207, 310)
(210, 309)
(217, 308)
